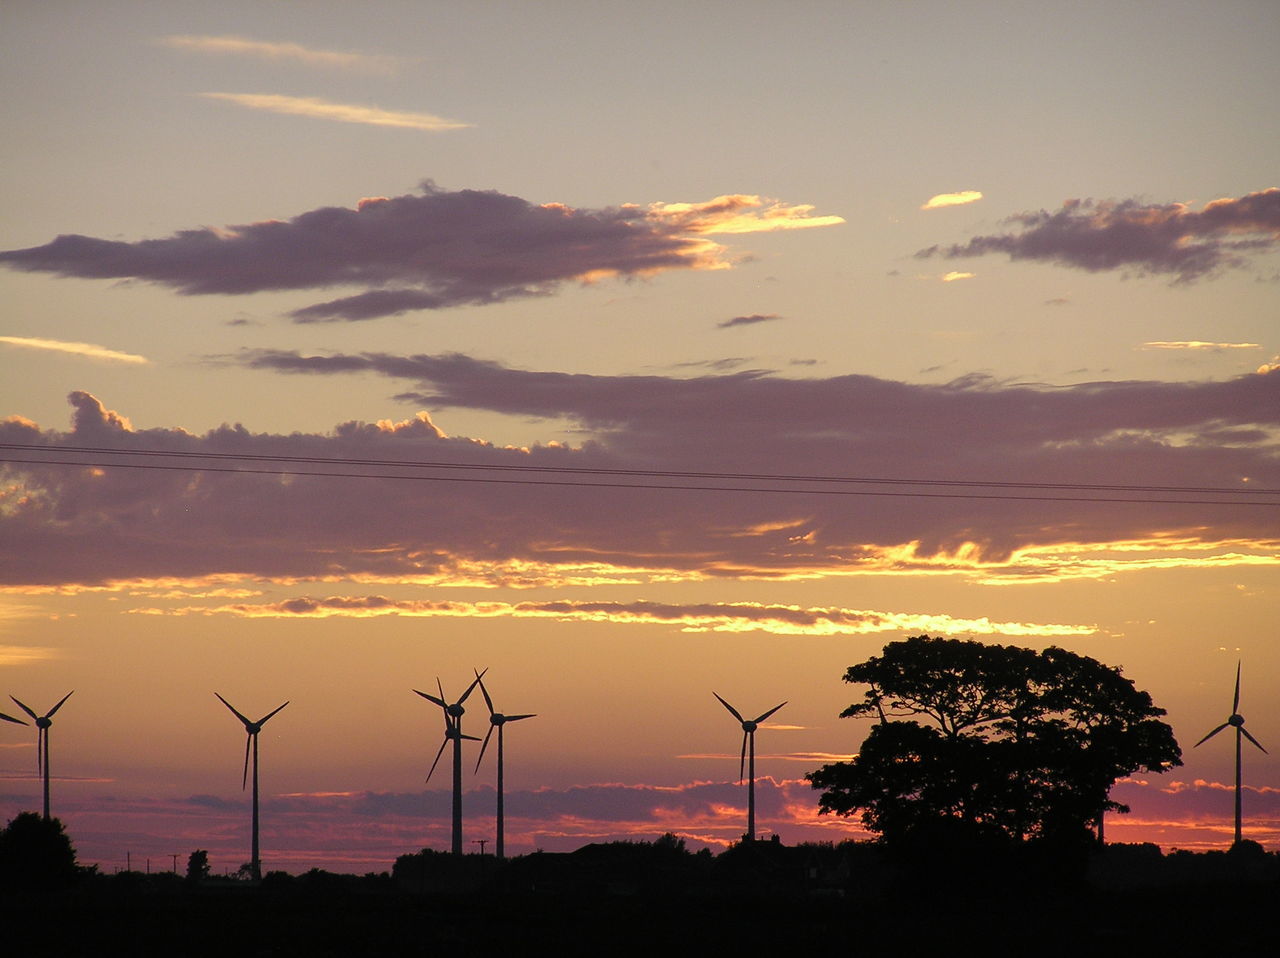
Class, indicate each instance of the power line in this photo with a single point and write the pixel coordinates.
(729, 477)
(602, 471)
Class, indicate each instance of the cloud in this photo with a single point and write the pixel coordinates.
(319, 109)
(962, 198)
(431, 251)
(737, 213)
(600, 512)
(953, 276)
(747, 320)
(701, 617)
(268, 50)
(88, 350)
(15, 655)
(1196, 344)
(1170, 238)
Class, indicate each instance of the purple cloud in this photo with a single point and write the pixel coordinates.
(1169, 238)
(429, 251)
(748, 320)
(96, 523)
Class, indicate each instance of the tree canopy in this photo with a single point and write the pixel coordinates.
(991, 741)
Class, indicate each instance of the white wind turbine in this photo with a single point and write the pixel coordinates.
(498, 721)
(749, 727)
(453, 713)
(1237, 721)
(43, 722)
(252, 728)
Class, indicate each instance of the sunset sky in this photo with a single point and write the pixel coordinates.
(570, 253)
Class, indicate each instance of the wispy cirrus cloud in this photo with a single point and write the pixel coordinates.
(15, 655)
(699, 617)
(942, 200)
(748, 320)
(430, 251)
(278, 50)
(87, 350)
(1168, 238)
(1197, 344)
(318, 109)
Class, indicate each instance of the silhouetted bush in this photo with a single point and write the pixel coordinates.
(35, 854)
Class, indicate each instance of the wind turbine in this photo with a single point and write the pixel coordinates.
(42, 741)
(1236, 720)
(749, 727)
(252, 728)
(496, 721)
(453, 713)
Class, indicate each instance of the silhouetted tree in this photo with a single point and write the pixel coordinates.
(198, 865)
(1014, 743)
(35, 853)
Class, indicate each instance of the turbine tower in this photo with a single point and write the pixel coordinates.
(1236, 720)
(42, 742)
(749, 727)
(252, 728)
(497, 721)
(453, 713)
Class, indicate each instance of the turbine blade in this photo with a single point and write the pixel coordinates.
(1245, 732)
(10, 718)
(1235, 702)
(437, 761)
(49, 714)
(469, 738)
(1211, 734)
(244, 781)
(432, 698)
(517, 718)
(471, 687)
(25, 709)
(742, 764)
(768, 713)
(485, 692)
(246, 722)
(488, 735)
(263, 720)
(441, 688)
(732, 711)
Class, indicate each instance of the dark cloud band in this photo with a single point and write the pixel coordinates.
(1169, 238)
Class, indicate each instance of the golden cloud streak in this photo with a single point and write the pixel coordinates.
(717, 617)
(954, 275)
(1030, 565)
(737, 213)
(266, 50)
(319, 109)
(89, 350)
(26, 654)
(1197, 344)
(962, 198)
